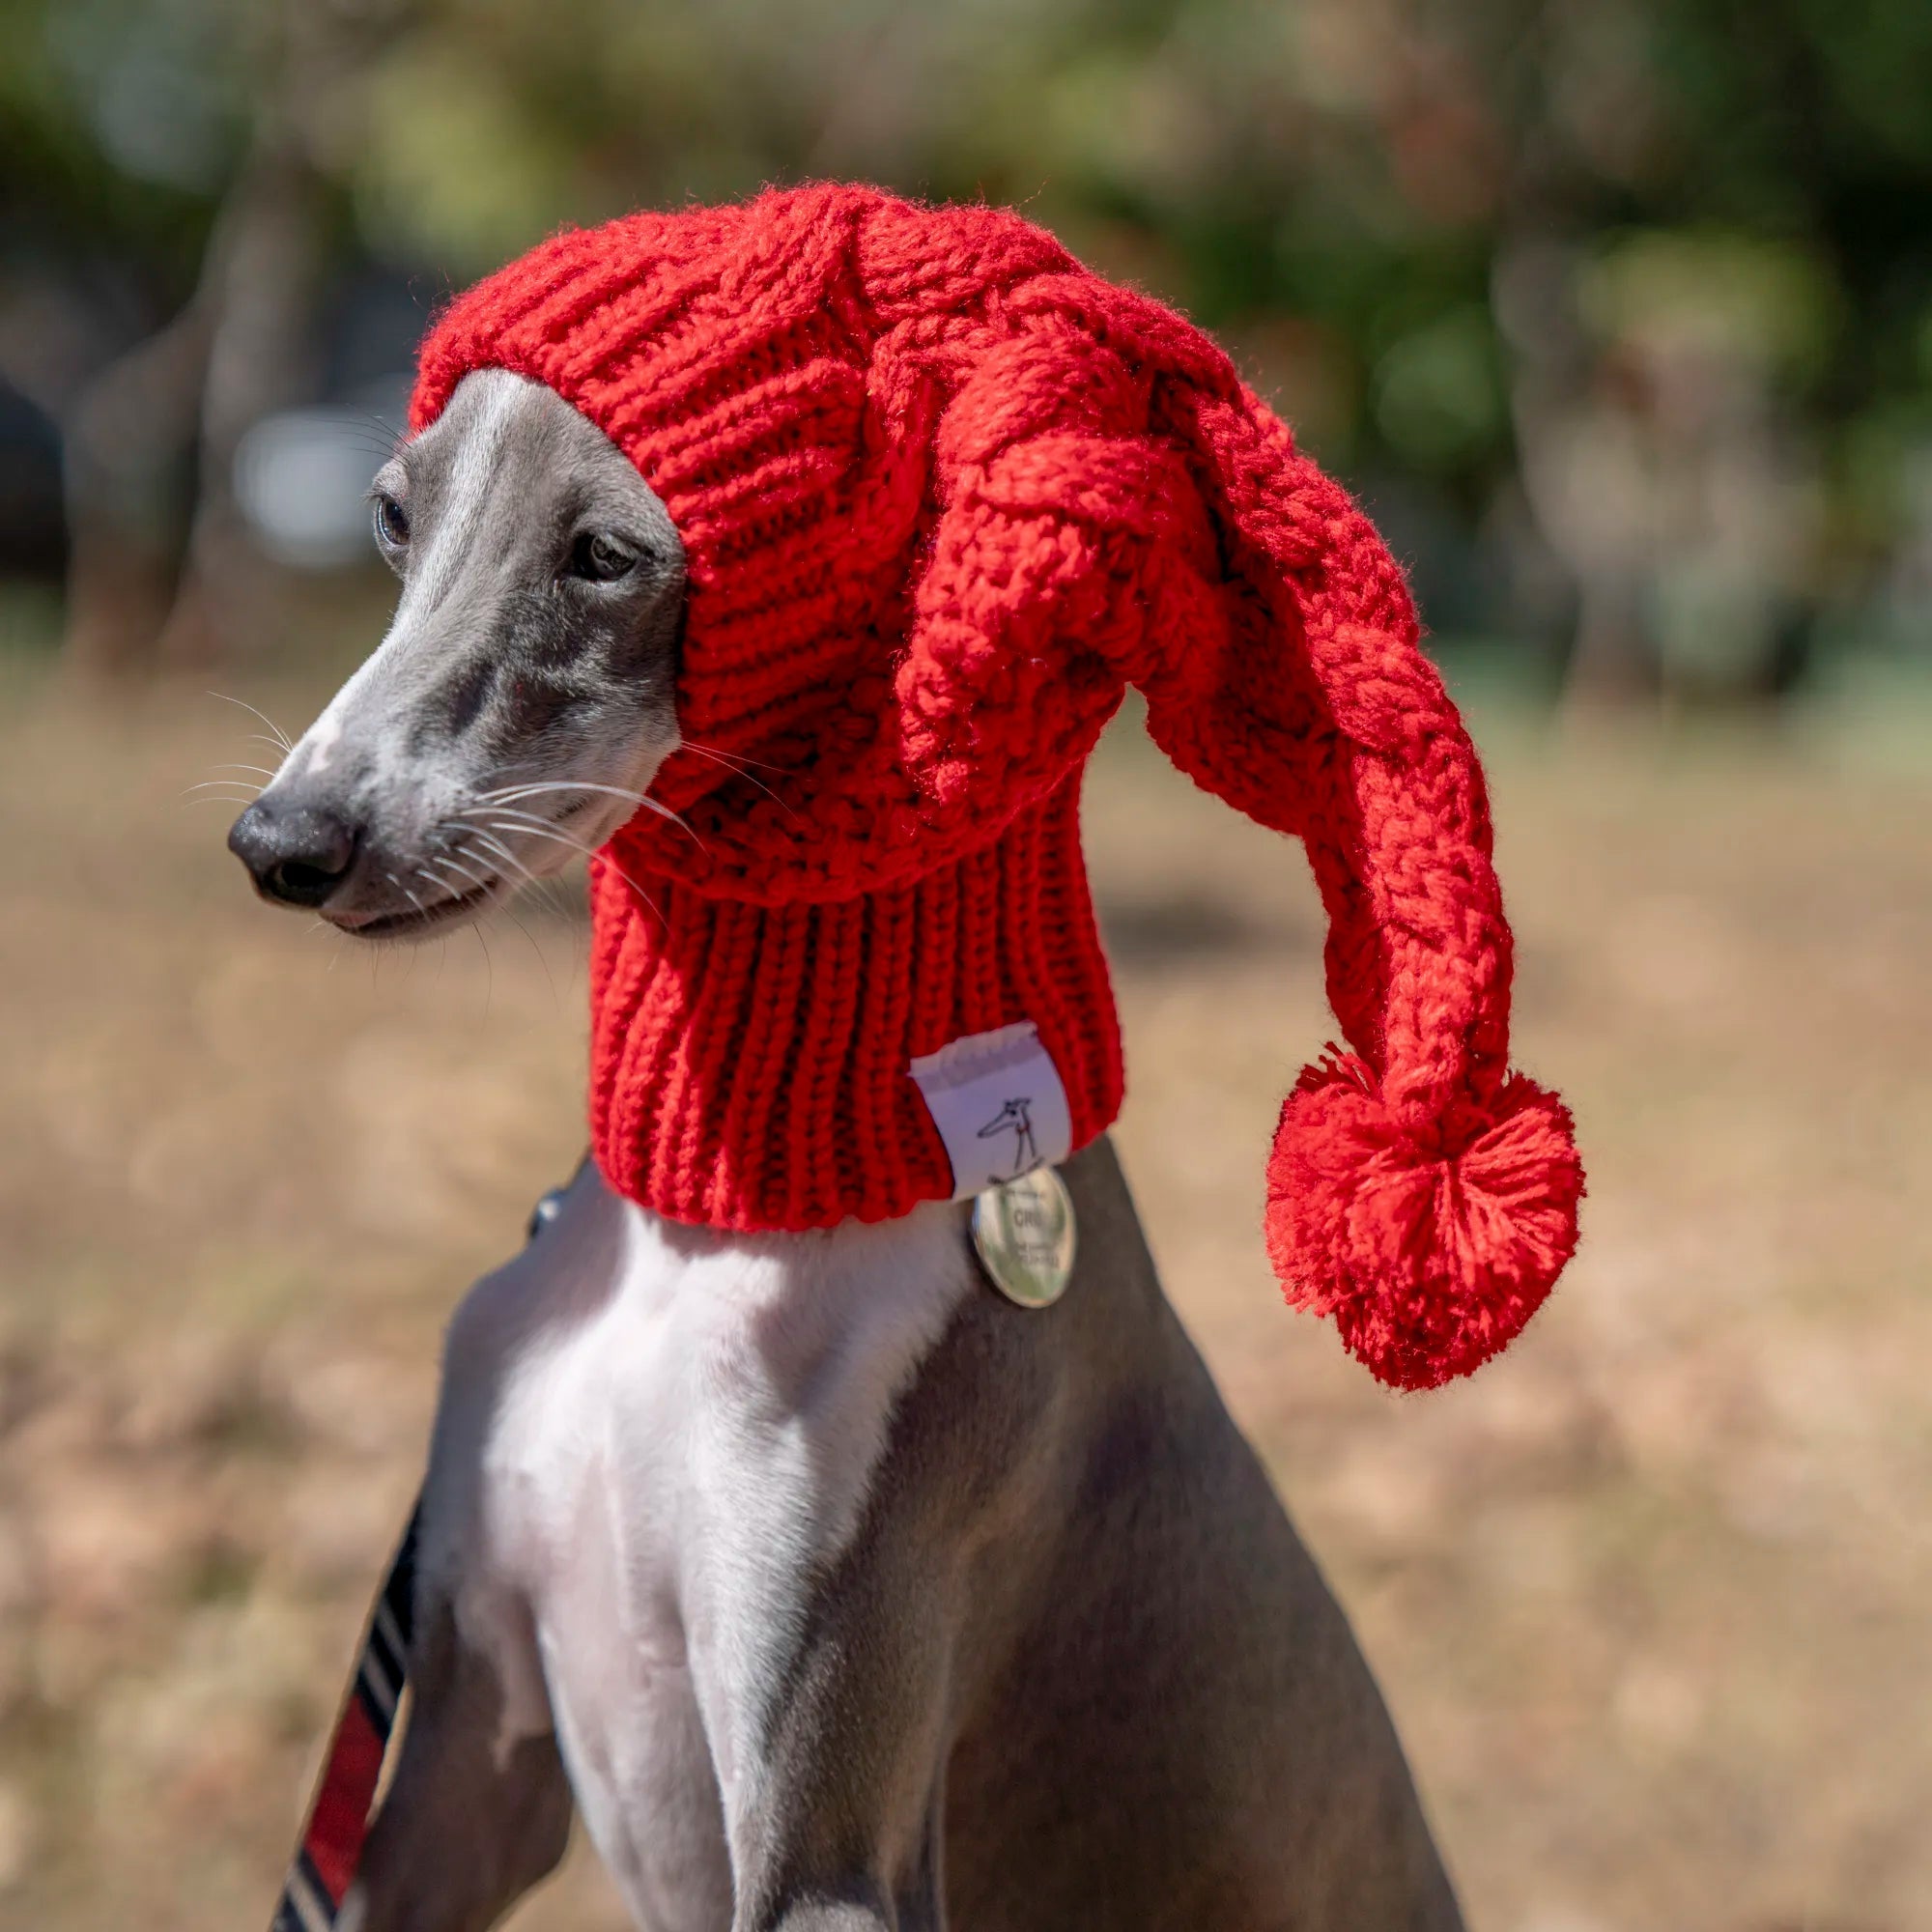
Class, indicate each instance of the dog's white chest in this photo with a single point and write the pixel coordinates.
(652, 1439)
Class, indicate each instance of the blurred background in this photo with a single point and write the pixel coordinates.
(1618, 313)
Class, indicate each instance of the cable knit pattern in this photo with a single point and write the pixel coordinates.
(944, 494)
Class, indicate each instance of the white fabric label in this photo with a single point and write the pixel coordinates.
(999, 1106)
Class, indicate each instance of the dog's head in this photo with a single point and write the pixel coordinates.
(523, 699)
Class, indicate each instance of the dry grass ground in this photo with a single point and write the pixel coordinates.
(1650, 1598)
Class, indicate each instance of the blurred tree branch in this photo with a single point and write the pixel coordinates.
(1507, 263)
(180, 402)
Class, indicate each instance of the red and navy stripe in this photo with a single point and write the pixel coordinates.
(338, 1817)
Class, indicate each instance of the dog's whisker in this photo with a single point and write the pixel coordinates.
(591, 852)
(281, 736)
(516, 791)
(536, 827)
(481, 881)
(506, 812)
(750, 777)
(489, 969)
(650, 904)
(492, 842)
(449, 886)
(643, 800)
(545, 832)
(378, 433)
(676, 819)
(737, 758)
(418, 873)
(548, 976)
(497, 847)
(531, 824)
(243, 784)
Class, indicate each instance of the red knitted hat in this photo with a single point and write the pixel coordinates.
(943, 492)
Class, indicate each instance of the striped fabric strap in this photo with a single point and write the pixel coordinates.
(327, 1860)
(330, 1851)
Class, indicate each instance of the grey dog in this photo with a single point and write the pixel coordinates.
(837, 1591)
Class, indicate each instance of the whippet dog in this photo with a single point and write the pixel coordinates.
(836, 1590)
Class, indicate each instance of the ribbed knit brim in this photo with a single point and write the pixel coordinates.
(750, 1061)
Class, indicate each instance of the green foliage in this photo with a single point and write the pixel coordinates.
(1437, 390)
(1328, 182)
(1771, 302)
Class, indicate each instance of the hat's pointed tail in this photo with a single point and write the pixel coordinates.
(1418, 1192)
(1122, 508)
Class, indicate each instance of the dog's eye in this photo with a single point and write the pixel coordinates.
(599, 558)
(392, 523)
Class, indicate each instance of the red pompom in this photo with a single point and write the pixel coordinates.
(1431, 1258)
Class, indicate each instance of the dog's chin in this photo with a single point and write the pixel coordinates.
(413, 922)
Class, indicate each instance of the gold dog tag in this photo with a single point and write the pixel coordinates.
(1023, 1234)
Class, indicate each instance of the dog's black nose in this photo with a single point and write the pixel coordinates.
(297, 854)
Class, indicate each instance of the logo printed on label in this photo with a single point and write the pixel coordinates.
(999, 1106)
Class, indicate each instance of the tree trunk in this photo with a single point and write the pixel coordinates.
(149, 580)
(128, 454)
(261, 357)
